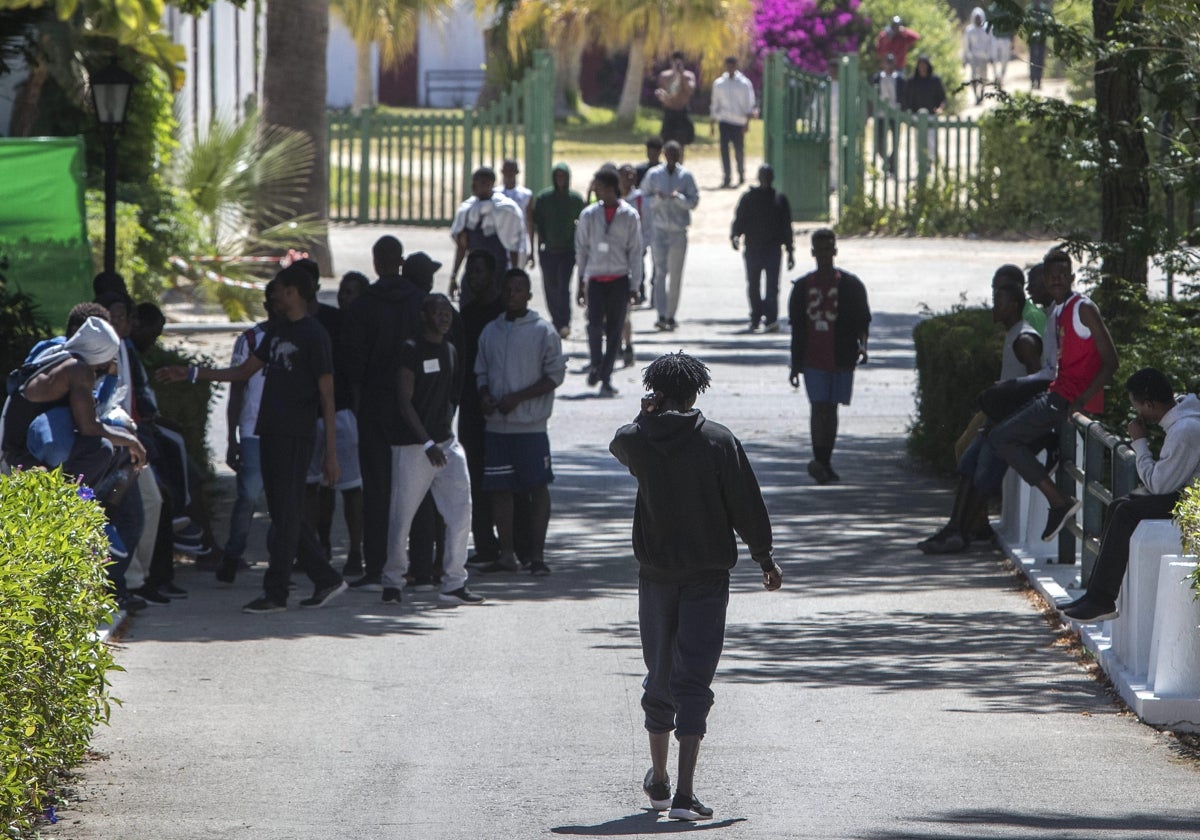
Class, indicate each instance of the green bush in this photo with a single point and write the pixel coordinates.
(1032, 179)
(53, 594)
(958, 355)
(22, 325)
(1187, 517)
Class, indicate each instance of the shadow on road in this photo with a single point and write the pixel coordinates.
(647, 822)
(1025, 826)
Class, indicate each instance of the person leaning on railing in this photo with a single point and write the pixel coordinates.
(1177, 465)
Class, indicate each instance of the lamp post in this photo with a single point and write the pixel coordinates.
(110, 98)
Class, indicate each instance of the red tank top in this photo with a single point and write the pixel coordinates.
(1078, 359)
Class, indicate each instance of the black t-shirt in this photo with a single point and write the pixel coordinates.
(330, 317)
(435, 391)
(297, 354)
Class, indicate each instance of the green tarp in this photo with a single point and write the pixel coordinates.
(43, 223)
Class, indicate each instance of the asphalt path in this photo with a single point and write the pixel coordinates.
(881, 694)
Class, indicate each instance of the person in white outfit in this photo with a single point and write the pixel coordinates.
(731, 108)
(979, 46)
(429, 457)
(674, 196)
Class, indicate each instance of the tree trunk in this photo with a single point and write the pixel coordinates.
(294, 96)
(363, 97)
(631, 91)
(568, 93)
(1124, 188)
(25, 108)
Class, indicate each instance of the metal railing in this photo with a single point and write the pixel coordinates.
(1109, 472)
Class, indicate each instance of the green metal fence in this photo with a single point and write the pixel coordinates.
(888, 155)
(796, 122)
(415, 168)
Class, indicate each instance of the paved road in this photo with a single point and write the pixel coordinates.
(880, 695)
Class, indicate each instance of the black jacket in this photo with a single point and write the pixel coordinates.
(764, 217)
(853, 319)
(695, 490)
(923, 92)
(385, 316)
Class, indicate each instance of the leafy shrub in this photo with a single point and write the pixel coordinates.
(22, 325)
(1187, 517)
(1032, 177)
(53, 593)
(958, 355)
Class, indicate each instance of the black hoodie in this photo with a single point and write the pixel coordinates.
(695, 490)
(385, 316)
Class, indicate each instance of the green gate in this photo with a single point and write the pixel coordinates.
(796, 121)
(415, 168)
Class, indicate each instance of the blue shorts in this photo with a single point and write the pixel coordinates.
(830, 386)
(516, 462)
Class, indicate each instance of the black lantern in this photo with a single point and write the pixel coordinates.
(110, 98)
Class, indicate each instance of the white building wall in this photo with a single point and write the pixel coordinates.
(341, 59)
(456, 43)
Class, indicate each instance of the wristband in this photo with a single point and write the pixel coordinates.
(429, 444)
(193, 373)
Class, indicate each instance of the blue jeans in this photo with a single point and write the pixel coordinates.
(249, 488)
(763, 308)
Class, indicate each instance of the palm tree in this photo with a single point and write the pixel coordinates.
(565, 27)
(294, 97)
(390, 24)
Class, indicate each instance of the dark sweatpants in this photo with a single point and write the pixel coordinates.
(683, 630)
(557, 267)
(608, 302)
(1124, 515)
(375, 464)
(760, 261)
(285, 465)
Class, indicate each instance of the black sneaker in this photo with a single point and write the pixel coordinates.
(367, 583)
(227, 569)
(607, 390)
(353, 567)
(627, 356)
(131, 603)
(951, 542)
(152, 596)
(476, 560)
(263, 605)
(172, 591)
(460, 597)
(671, 325)
(1089, 611)
(688, 807)
(819, 472)
(1058, 517)
(503, 563)
(324, 595)
(659, 792)
(391, 595)
(1069, 604)
(539, 569)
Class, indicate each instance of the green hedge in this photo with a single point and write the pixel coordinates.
(53, 594)
(958, 355)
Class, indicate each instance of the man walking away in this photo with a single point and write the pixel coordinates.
(554, 213)
(764, 218)
(696, 490)
(830, 318)
(731, 109)
(608, 249)
(674, 196)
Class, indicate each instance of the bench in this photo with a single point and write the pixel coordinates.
(460, 87)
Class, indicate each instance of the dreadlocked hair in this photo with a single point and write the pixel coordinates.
(677, 376)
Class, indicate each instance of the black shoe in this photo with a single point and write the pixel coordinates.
(353, 567)
(771, 327)
(539, 569)
(227, 570)
(593, 376)
(503, 563)
(172, 591)
(1088, 611)
(1070, 604)
(754, 326)
(607, 390)
(263, 605)
(951, 542)
(688, 807)
(725, 184)
(367, 583)
(476, 560)
(152, 596)
(627, 356)
(391, 595)
(662, 324)
(1058, 517)
(659, 792)
(833, 476)
(131, 603)
(324, 595)
(671, 325)
(460, 597)
(819, 472)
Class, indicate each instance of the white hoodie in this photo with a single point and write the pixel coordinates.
(1179, 461)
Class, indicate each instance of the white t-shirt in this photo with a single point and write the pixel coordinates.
(243, 348)
(522, 196)
(500, 216)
